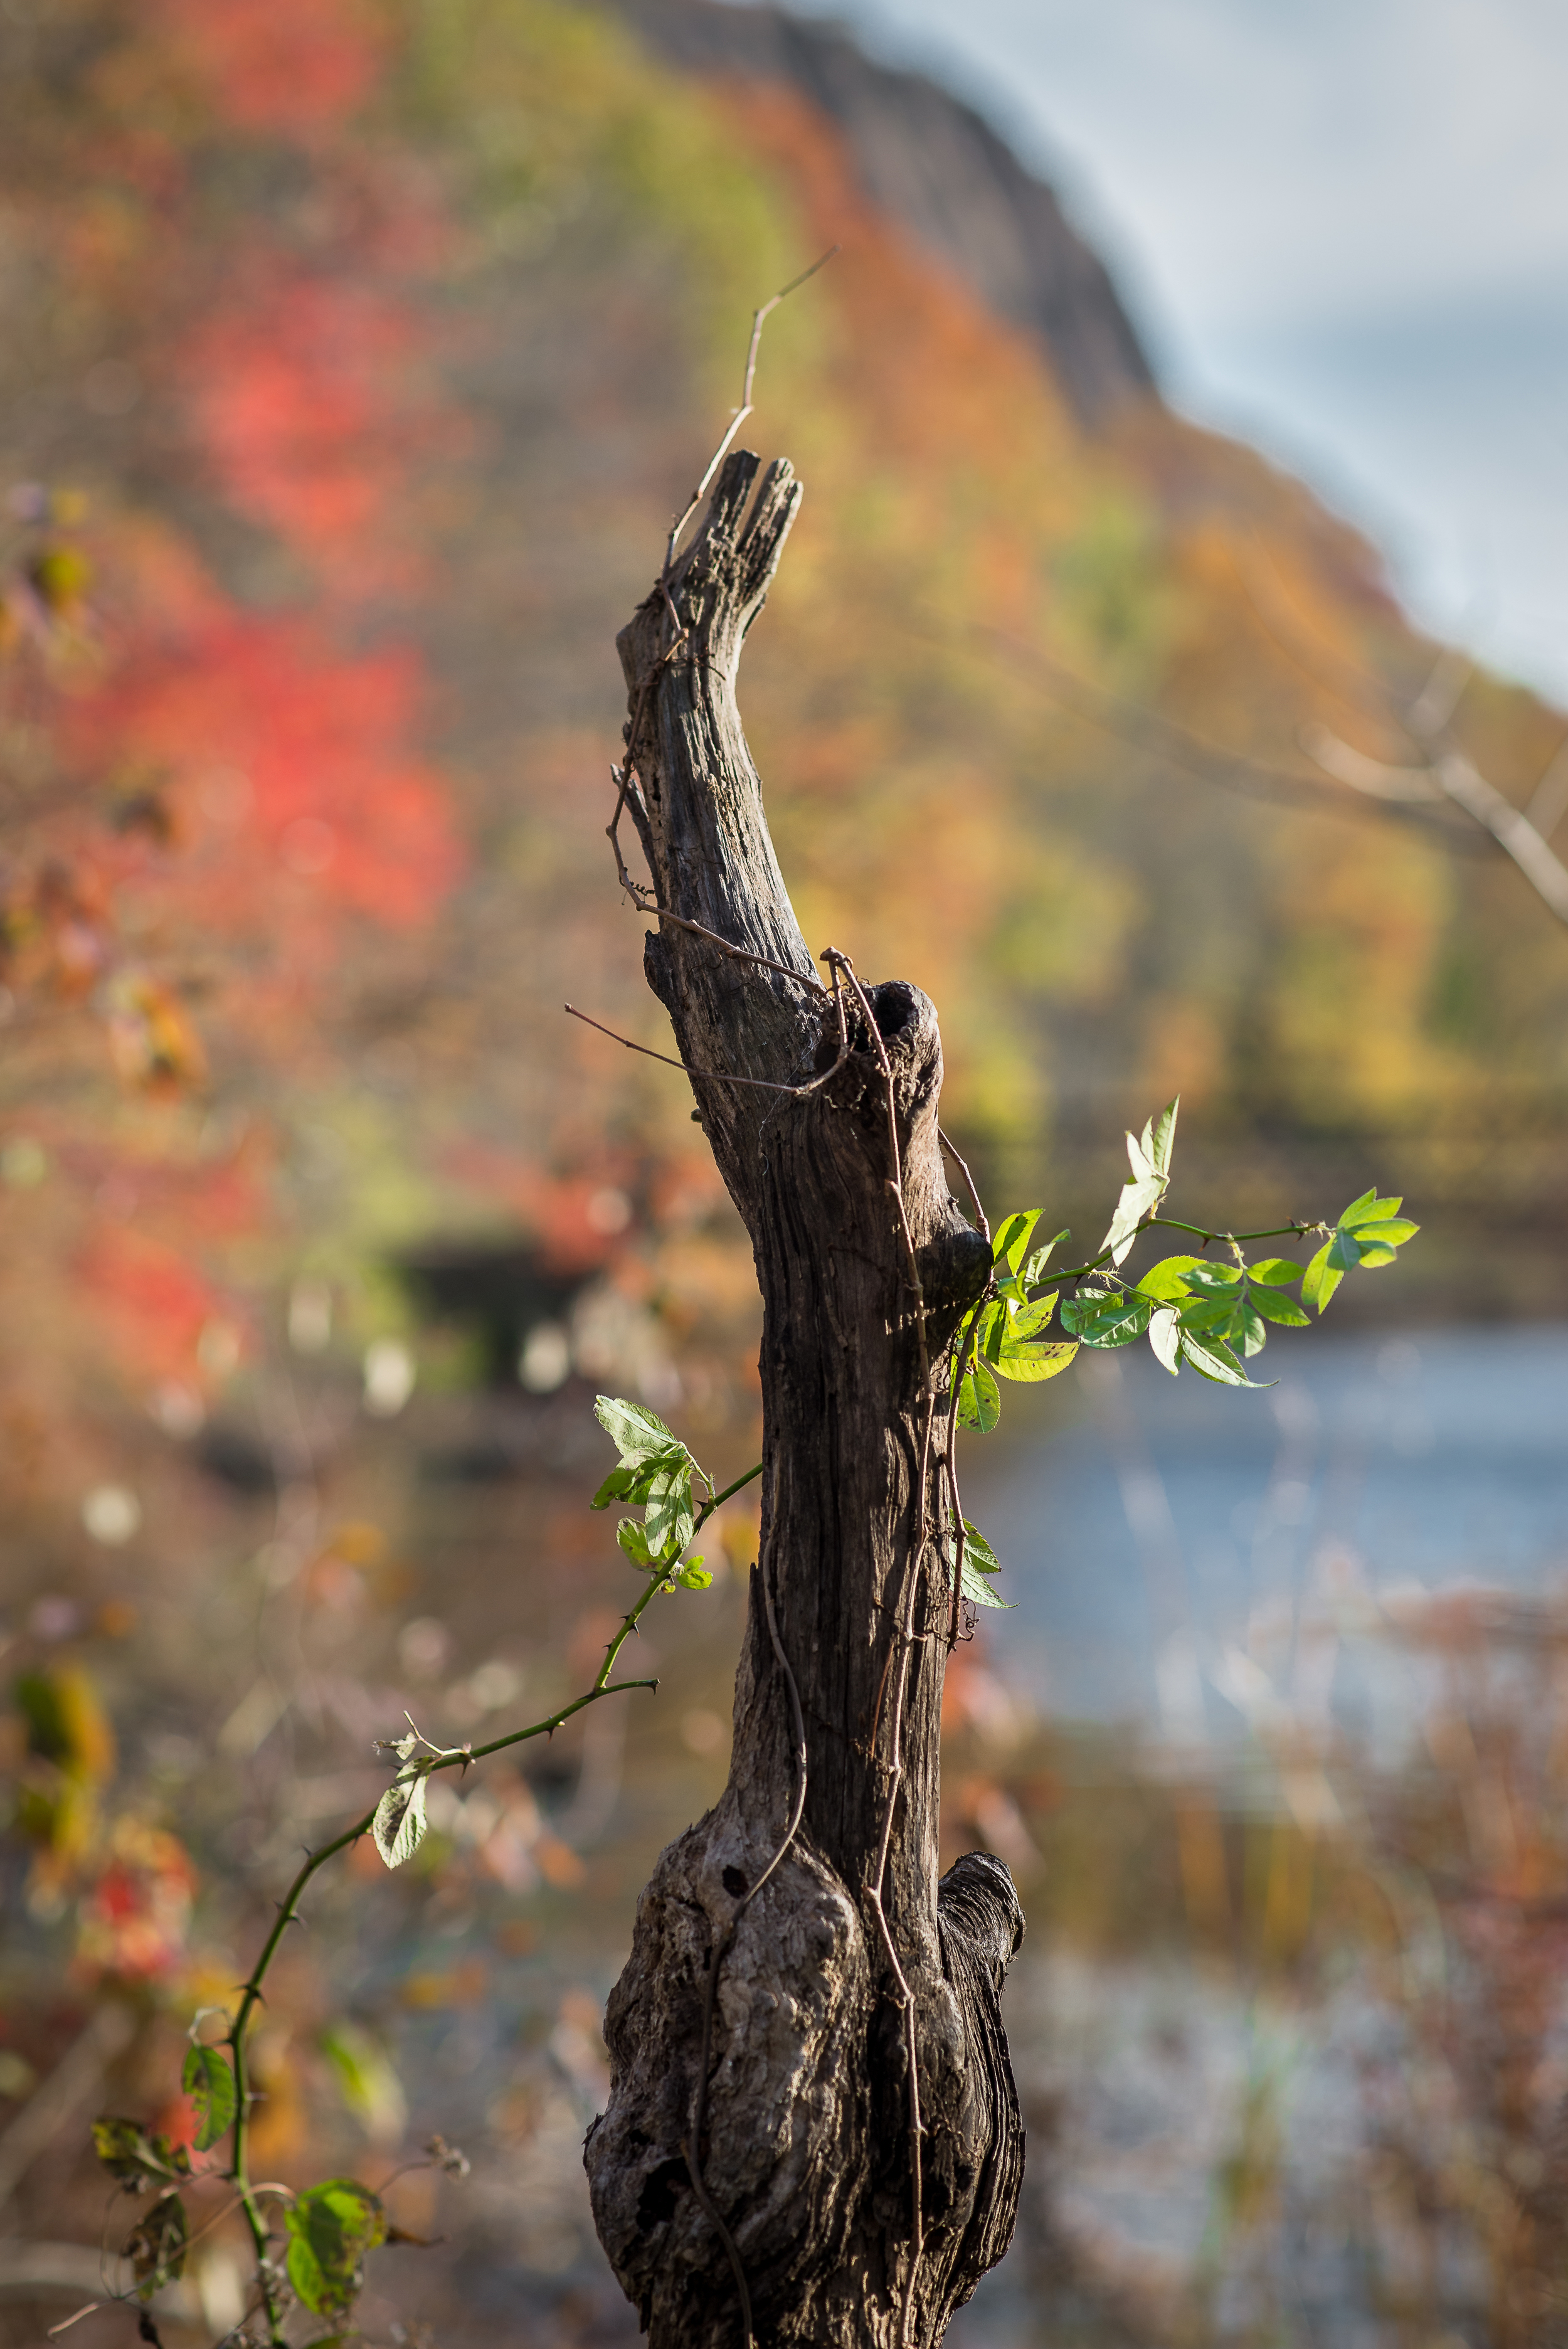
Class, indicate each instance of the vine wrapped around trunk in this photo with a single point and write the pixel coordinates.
(845, 2225)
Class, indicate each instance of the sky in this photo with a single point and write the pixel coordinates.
(1342, 227)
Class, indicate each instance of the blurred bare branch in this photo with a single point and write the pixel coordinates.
(1445, 772)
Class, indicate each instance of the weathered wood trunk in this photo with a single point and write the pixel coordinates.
(808, 2150)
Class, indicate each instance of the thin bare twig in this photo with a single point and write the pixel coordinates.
(1446, 773)
(717, 1076)
(806, 980)
(624, 776)
(1449, 774)
(954, 1152)
(759, 320)
(1548, 802)
(905, 1638)
(715, 2220)
(714, 1076)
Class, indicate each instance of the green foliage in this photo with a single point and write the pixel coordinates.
(1149, 1157)
(208, 2079)
(979, 1402)
(656, 1474)
(368, 2077)
(1215, 1317)
(979, 1561)
(400, 1822)
(330, 2228)
(136, 2157)
(1368, 1233)
(156, 2246)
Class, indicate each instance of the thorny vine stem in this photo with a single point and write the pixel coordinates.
(950, 1467)
(691, 2148)
(288, 1909)
(1210, 1239)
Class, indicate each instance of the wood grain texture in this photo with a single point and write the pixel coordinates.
(806, 2142)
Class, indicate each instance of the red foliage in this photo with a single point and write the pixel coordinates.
(157, 1309)
(303, 391)
(293, 66)
(299, 787)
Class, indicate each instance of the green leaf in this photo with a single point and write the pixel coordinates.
(399, 1823)
(636, 1433)
(1254, 1336)
(209, 2081)
(1275, 1308)
(1138, 1199)
(1212, 1316)
(1321, 1279)
(1164, 1138)
(1369, 1209)
(133, 2155)
(156, 2248)
(1032, 1318)
(978, 1550)
(671, 1520)
(1168, 1278)
(1213, 1280)
(330, 2228)
(1029, 1364)
(979, 1561)
(1275, 1271)
(1107, 1318)
(976, 1588)
(368, 2077)
(692, 1574)
(1013, 1238)
(635, 1542)
(1036, 1264)
(989, 1330)
(618, 1485)
(979, 1402)
(1377, 1242)
(1165, 1337)
(1213, 1361)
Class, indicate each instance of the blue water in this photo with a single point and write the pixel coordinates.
(1148, 1524)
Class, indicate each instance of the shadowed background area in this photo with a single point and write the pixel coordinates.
(357, 355)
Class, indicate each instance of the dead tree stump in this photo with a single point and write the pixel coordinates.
(808, 2150)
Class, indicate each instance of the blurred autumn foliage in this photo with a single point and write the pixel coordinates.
(357, 352)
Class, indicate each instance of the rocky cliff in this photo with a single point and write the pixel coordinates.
(936, 166)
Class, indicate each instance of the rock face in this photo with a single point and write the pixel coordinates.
(935, 166)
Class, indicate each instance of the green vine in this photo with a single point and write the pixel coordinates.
(1212, 1314)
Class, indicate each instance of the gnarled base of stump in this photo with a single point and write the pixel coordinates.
(805, 2149)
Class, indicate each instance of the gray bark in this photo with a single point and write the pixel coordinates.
(807, 2143)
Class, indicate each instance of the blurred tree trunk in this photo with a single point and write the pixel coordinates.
(806, 2150)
